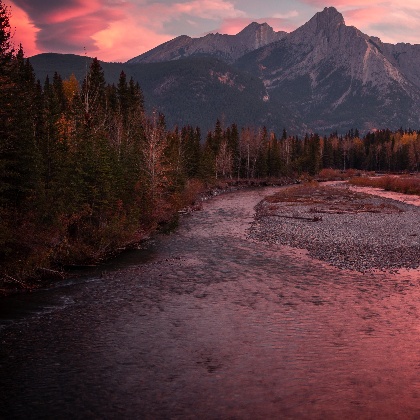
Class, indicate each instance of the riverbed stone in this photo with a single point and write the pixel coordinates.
(357, 231)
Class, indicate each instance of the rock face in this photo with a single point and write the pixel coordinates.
(226, 47)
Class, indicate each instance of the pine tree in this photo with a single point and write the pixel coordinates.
(207, 161)
(6, 89)
(19, 147)
(328, 154)
(233, 143)
(123, 97)
(94, 95)
(191, 141)
(274, 162)
(6, 45)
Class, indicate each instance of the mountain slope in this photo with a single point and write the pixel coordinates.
(194, 90)
(198, 90)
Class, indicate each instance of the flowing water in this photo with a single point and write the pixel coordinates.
(214, 326)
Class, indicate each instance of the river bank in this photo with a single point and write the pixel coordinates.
(48, 276)
(343, 226)
(350, 227)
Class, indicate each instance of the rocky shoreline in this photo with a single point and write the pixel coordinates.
(347, 229)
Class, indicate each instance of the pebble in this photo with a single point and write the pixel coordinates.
(361, 241)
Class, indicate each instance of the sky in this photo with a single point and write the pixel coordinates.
(117, 30)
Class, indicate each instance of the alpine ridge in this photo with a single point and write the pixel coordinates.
(226, 47)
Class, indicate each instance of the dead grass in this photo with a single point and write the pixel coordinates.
(329, 174)
(312, 193)
(324, 199)
(402, 184)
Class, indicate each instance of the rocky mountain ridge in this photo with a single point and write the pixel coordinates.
(226, 47)
(335, 75)
(324, 76)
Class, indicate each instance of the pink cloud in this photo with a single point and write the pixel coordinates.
(389, 22)
(116, 30)
(68, 26)
(145, 27)
(23, 30)
(208, 9)
(112, 29)
(123, 40)
(365, 16)
(341, 3)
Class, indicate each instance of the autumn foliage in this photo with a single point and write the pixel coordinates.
(401, 184)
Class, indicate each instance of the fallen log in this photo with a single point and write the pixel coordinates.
(309, 219)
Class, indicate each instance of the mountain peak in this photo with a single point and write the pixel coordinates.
(323, 23)
(253, 27)
(329, 18)
(257, 35)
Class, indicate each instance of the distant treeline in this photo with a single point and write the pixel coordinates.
(84, 170)
(256, 153)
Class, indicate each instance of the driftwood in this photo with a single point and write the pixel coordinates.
(48, 273)
(385, 210)
(309, 219)
(11, 279)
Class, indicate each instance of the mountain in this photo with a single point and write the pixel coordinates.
(46, 64)
(226, 47)
(336, 77)
(325, 76)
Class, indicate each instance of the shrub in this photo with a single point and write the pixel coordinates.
(401, 184)
(329, 174)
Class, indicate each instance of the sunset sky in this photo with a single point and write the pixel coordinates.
(117, 30)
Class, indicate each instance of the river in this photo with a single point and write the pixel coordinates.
(208, 324)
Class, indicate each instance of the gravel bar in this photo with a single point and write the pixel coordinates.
(347, 229)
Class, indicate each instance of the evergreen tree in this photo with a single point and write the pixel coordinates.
(261, 165)
(136, 97)
(274, 163)
(94, 95)
(233, 144)
(191, 141)
(208, 159)
(18, 150)
(123, 98)
(314, 154)
(328, 154)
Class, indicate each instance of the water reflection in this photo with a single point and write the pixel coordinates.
(38, 302)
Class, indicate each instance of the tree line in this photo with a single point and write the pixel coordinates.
(85, 170)
(257, 153)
